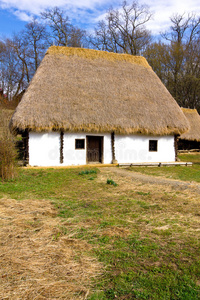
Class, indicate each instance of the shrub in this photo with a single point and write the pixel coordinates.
(7, 159)
(8, 151)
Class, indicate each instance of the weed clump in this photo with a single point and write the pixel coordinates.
(112, 182)
(86, 172)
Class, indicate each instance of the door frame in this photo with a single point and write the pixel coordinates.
(101, 139)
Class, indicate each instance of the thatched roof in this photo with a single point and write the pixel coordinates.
(194, 120)
(77, 89)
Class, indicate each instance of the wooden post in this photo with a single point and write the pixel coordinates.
(25, 137)
(114, 161)
(61, 146)
(176, 146)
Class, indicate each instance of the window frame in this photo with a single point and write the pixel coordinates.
(79, 148)
(154, 147)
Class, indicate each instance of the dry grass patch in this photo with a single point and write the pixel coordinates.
(36, 260)
(146, 235)
(158, 207)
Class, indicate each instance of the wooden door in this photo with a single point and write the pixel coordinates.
(94, 149)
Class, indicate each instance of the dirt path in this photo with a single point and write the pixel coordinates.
(148, 179)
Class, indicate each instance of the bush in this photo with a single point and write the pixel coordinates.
(8, 151)
(7, 159)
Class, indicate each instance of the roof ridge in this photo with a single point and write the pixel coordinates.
(97, 54)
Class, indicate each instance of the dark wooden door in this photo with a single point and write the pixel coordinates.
(94, 148)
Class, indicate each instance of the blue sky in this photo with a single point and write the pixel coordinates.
(14, 14)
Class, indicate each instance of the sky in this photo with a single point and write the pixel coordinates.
(14, 14)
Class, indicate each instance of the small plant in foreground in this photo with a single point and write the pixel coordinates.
(143, 194)
(86, 172)
(112, 182)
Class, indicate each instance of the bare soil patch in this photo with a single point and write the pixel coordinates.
(35, 261)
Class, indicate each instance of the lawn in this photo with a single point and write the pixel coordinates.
(193, 157)
(177, 172)
(146, 238)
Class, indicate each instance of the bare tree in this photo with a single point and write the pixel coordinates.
(20, 47)
(2, 79)
(103, 40)
(21, 56)
(10, 67)
(124, 29)
(177, 62)
(62, 31)
(36, 37)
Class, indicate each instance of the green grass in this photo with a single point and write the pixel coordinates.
(147, 241)
(174, 172)
(194, 158)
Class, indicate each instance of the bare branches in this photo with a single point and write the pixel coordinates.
(21, 57)
(37, 38)
(62, 31)
(184, 28)
(177, 62)
(124, 29)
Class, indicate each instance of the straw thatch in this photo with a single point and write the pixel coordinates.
(194, 120)
(95, 91)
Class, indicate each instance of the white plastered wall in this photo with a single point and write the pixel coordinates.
(74, 156)
(44, 149)
(135, 149)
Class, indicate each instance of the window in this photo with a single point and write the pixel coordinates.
(153, 145)
(80, 144)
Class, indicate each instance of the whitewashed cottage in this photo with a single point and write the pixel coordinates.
(86, 106)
